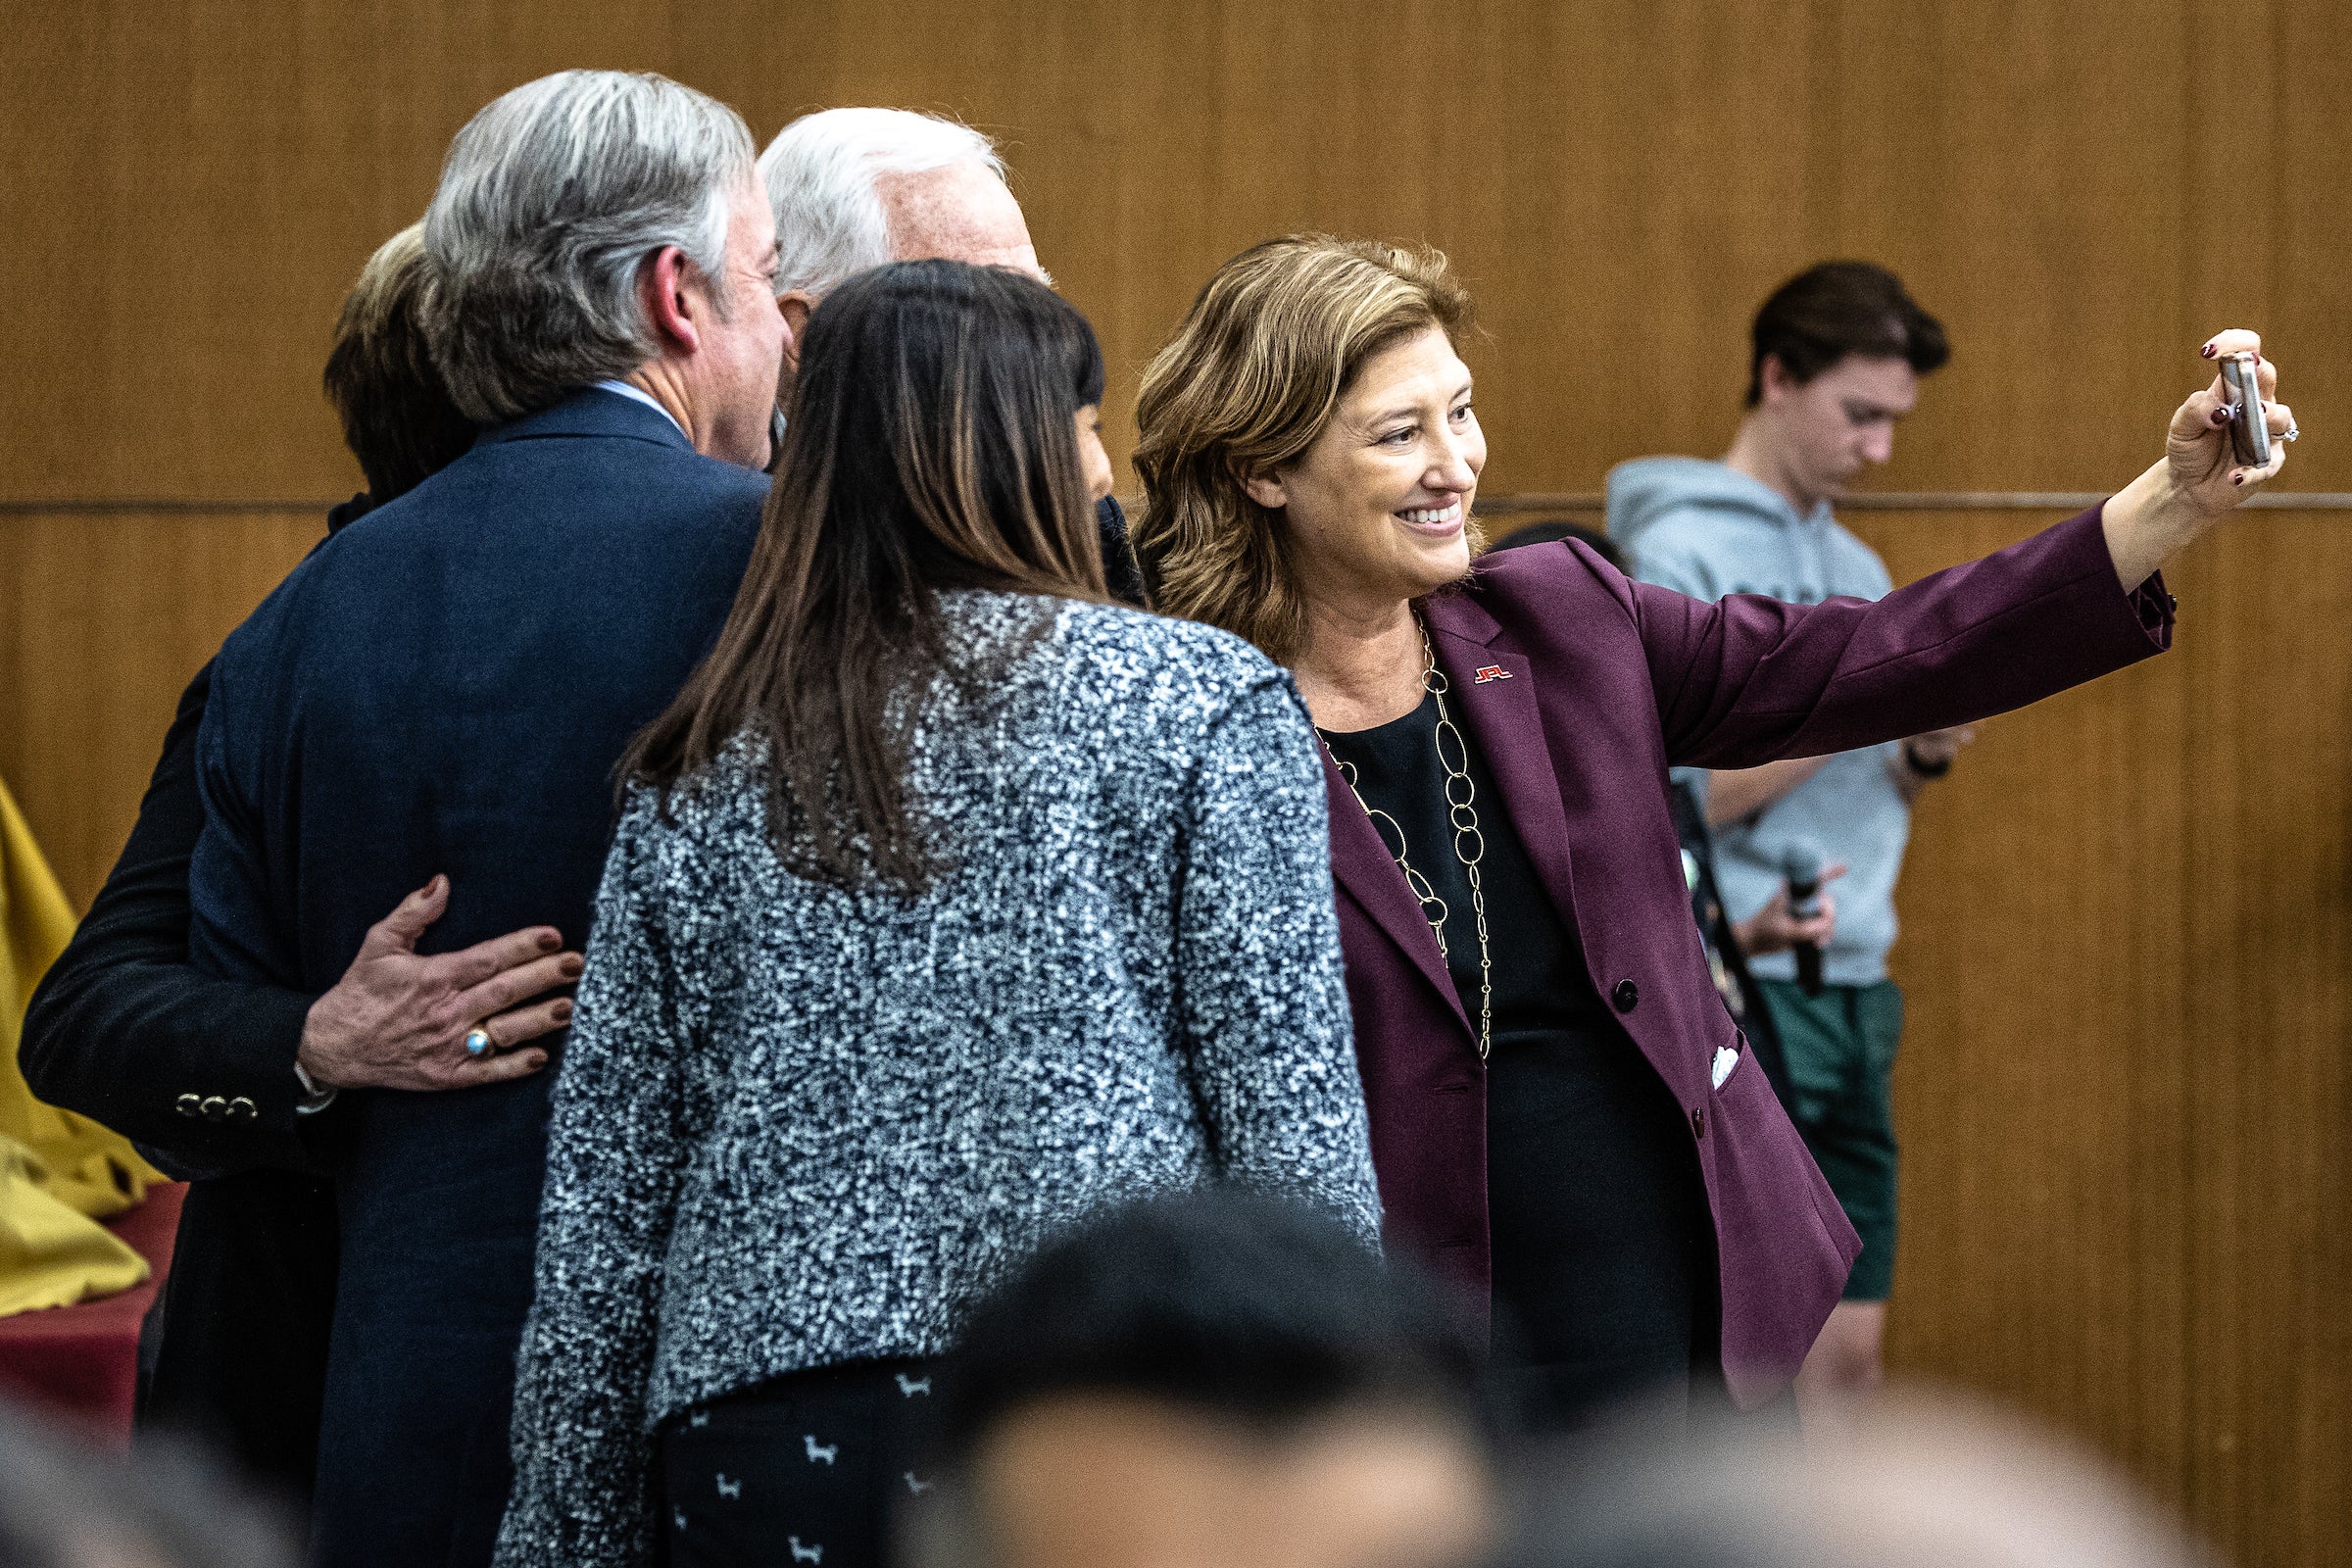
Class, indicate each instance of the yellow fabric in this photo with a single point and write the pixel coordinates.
(50, 1254)
(59, 1172)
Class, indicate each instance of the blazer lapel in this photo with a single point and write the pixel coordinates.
(1362, 865)
(1503, 713)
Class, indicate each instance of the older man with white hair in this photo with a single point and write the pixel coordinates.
(855, 188)
(443, 689)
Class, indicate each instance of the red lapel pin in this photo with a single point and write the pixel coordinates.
(1488, 673)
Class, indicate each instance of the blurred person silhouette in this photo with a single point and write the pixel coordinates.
(1912, 1481)
(64, 1504)
(853, 188)
(126, 1030)
(950, 903)
(1216, 1378)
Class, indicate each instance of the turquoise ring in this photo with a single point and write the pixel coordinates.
(477, 1042)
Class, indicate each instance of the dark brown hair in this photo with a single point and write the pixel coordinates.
(1836, 309)
(1249, 381)
(932, 444)
(397, 415)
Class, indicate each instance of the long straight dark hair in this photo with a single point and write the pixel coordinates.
(932, 444)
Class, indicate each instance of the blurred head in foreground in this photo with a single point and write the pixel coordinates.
(63, 1506)
(1211, 1378)
(1914, 1482)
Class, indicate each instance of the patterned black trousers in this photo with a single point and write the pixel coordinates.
(814, 1468)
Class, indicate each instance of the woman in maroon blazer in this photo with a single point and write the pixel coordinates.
(1563, 1115)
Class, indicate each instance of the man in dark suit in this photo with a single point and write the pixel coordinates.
(446, 688)
(203, 1072)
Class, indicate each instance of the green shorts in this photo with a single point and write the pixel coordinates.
(1841, 1050)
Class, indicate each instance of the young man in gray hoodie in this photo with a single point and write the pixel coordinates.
(1837, 353)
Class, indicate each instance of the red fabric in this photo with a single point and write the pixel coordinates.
(84, 1360)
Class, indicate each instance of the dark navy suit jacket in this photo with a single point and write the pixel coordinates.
(1583, 688)
(445, 687)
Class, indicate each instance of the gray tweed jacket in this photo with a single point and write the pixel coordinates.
(797, 1126)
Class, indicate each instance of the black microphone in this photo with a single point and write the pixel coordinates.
(1800, 864)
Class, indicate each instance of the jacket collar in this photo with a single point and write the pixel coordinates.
(1504, 716)
(1494, 691)
(592, 412)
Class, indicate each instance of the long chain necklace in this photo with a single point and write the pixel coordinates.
(1469, 843)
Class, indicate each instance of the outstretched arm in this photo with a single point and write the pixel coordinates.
(1737, 793)
(2160, 514)
(1750, 680)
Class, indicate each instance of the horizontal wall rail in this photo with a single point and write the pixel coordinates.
(1586, 501)
(1570, 501)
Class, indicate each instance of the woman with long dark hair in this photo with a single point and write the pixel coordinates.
(950, 902)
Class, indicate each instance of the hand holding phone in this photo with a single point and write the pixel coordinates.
(2249, 430)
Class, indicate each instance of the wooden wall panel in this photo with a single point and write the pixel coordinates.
(103, 619)
(2268, 784)
(1620, 185)
(2123, 1096)
(2041, 1094)
(191, 188)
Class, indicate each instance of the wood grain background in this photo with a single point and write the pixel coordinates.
(2123, 1097)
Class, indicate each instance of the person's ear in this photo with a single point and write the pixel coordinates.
(1261, 485)
(795, 304)
(1774, 380)
(669, 291)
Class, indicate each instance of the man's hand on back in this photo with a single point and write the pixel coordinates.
(398, 1020)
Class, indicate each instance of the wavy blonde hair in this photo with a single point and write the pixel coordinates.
(1245, 385)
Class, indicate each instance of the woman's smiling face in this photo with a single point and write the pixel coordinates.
(1377, 510)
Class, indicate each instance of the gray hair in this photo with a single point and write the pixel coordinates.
(820, 172)
(550, 202)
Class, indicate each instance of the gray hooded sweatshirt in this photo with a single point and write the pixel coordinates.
(1706, 530)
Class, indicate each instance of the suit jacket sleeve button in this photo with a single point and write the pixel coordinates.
(243, 1109)
(1627, 996)
(215, 1109)
(189, 1105)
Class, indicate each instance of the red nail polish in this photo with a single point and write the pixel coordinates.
(2207, 351)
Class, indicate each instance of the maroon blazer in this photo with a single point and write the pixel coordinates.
(1583, 688)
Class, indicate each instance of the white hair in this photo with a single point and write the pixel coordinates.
(550, 202)
(820, 173)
